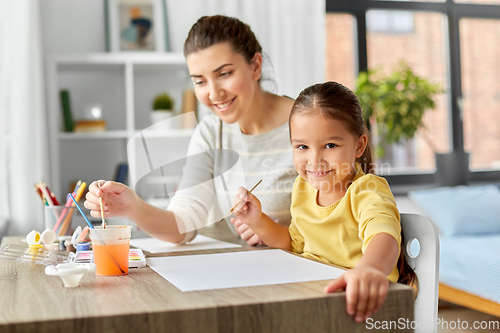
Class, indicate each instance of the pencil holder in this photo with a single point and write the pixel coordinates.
(59, 219)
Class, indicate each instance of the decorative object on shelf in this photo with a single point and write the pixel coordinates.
(92, 121)
(66, 109)
(189, 104)
(89, 125)
(121, 173)
(163, 106)
(135, 25)
(92, 111)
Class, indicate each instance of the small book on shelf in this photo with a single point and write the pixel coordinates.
(66, 109)
(85, 125)
(121, 173)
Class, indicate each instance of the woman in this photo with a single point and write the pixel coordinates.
(225, 63)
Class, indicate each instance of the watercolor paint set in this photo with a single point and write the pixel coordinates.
(136, 258)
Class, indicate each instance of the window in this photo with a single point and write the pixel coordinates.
(480, 62)
(419, 0)
(389, 21)
(341, 49)
(450, 42)
(424, 49)
(485, 2)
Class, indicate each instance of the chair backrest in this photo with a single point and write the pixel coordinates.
(425, 265)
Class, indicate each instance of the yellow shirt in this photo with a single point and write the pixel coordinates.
(338, 234)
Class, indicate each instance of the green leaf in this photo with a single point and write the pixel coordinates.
(397, 101)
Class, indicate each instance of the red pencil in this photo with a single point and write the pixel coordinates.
(54, 199)
(39, 192)
(52, 195)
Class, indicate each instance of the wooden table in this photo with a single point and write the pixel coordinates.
(143, 301)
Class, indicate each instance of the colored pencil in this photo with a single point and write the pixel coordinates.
(65, 224)
(39, 192)
(63, 214)
(65, 211)
(52, 195)
(80, 190)
(46, 194)
(67, 220)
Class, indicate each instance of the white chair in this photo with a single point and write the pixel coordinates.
(426, 267)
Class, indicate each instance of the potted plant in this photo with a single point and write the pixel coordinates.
(396, 103)
(162, 106)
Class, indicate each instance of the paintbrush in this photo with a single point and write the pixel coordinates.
(102, 214)
(253, 188)
(102, 210)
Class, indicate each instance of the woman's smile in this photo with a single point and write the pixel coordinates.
(222, 107)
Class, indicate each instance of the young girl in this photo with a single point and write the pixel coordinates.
(341, 213)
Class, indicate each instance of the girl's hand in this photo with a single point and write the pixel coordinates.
(246, 233)
(249, 210)
(366, 289)
(118, 200)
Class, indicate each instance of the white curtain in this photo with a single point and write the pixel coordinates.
(291, 32)
(23, 137)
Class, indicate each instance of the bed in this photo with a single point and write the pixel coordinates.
(468, 219)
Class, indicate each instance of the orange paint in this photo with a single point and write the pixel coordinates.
(110, 258)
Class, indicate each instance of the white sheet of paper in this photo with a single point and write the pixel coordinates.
(201, 242)
(239, 269)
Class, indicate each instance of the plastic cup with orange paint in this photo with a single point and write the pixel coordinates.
(110, 247)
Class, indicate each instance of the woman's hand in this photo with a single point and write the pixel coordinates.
(246, 233)
(118, 199)
(366, 289)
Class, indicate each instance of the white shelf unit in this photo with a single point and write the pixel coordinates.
(125, 85)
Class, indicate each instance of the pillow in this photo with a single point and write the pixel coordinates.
(461, 210)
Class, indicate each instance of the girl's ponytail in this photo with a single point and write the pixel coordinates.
(366, 160)
(406, 274)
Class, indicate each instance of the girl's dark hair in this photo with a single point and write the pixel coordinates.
(338, 102)
(406, 273)
(211, 30)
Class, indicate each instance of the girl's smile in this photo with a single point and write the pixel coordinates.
(319, 173)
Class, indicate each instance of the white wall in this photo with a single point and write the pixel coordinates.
(291, 32)
(72, 26)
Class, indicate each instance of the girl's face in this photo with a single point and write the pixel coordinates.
(324, 151)
(224, 81)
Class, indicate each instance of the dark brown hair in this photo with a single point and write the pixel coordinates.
(211, 30)
(338, 102)
(406, 273)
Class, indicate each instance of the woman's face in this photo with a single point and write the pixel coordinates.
(224, 81)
